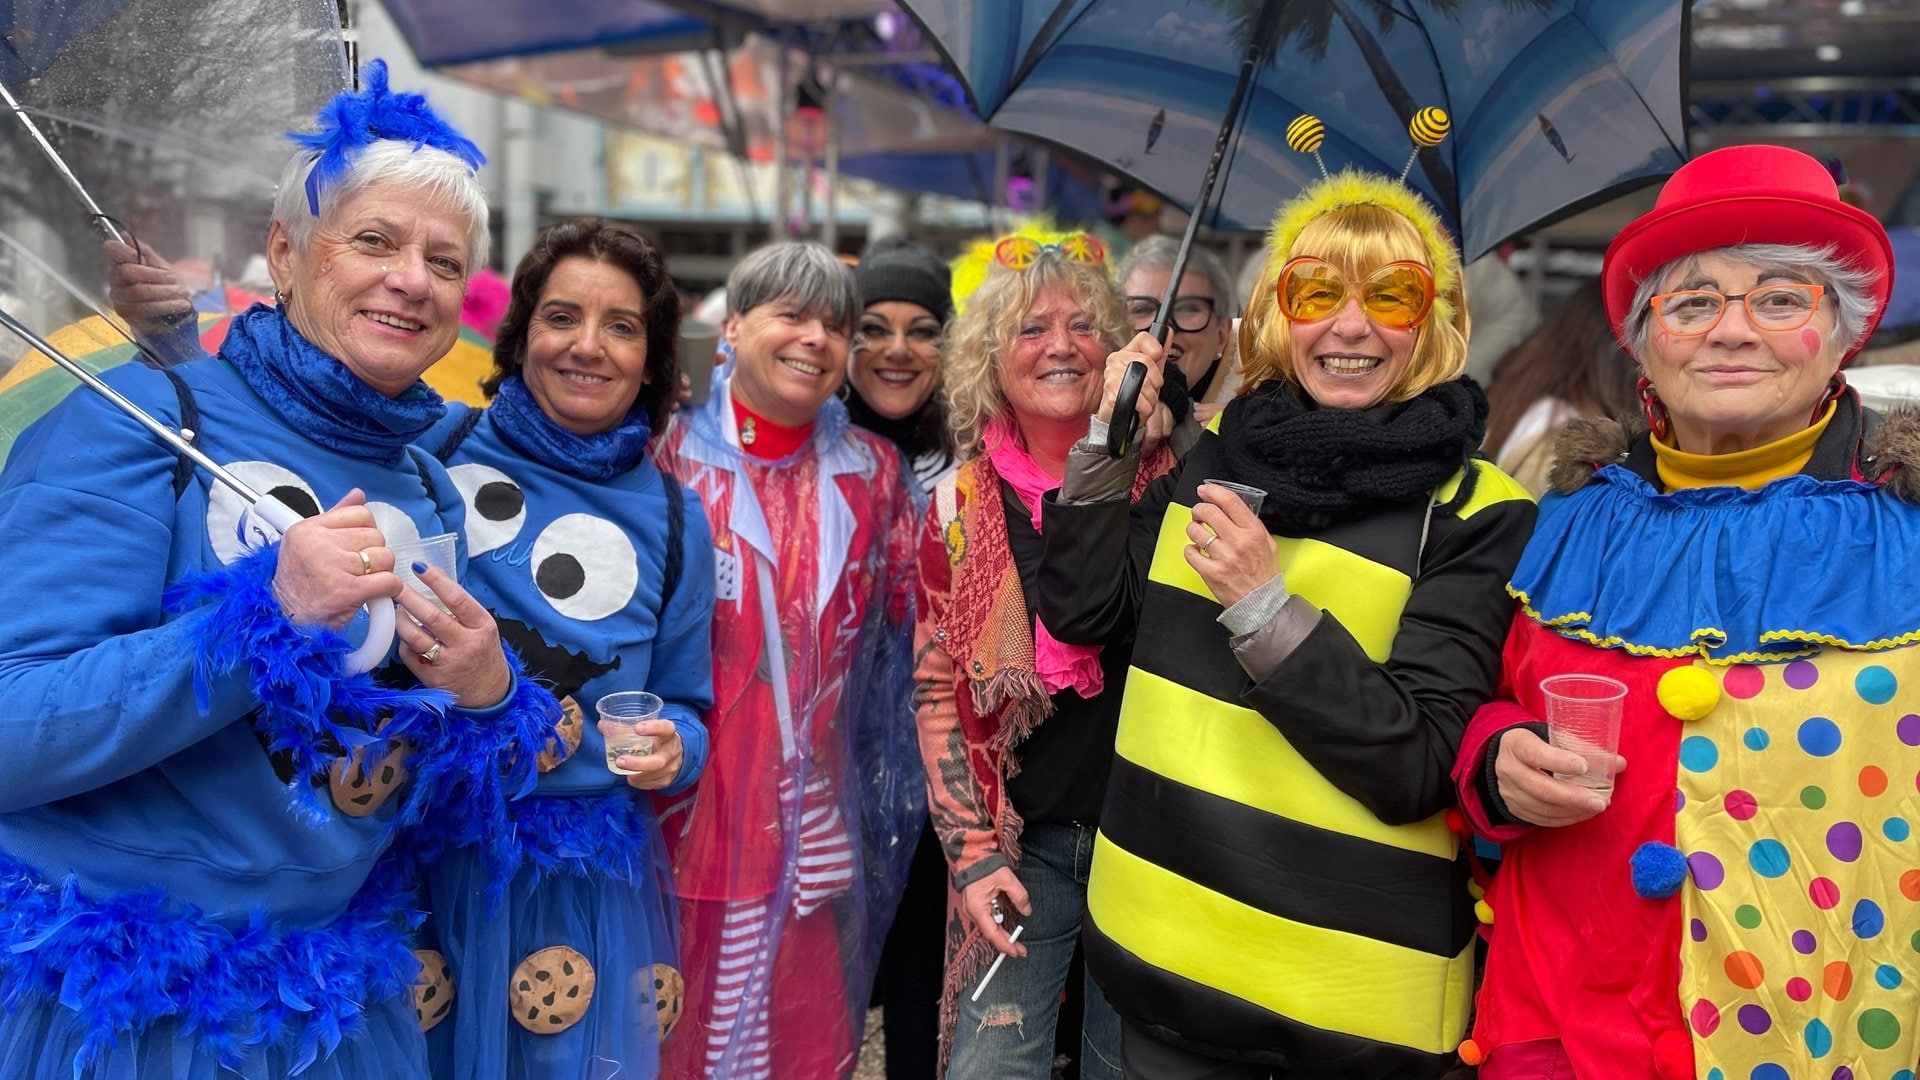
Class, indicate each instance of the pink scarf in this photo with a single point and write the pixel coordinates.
(1059, 665)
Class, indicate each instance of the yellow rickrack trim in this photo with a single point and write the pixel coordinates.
(1704, 639)
(1349, 187)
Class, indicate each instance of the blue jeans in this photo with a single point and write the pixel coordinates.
(1008, 1033)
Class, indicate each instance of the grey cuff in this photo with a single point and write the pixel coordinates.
(1092, 475)
(1268, 645)
(1253, 610)
(985, 866)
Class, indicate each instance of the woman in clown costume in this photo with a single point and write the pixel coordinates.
(1744, 903)
(599, 570)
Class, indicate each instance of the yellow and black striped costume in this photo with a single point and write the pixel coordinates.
(1273, 881)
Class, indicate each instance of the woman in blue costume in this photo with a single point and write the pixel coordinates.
(198, 800)
(600, 572)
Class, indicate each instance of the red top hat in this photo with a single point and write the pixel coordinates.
(1746, 195)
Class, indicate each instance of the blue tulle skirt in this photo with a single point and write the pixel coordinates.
(41, 1040)
(622, 929)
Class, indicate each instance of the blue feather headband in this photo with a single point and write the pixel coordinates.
(351, 122)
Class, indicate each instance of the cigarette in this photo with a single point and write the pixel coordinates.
(982, 988)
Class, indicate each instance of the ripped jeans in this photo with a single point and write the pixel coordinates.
(1008, 1033)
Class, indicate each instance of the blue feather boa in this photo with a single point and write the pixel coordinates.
(310, 708)
(127, 962)
(353, 121)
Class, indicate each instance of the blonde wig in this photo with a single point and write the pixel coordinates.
(1359, 222)
(987, 327)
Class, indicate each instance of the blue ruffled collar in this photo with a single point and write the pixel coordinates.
(1723, 573)
(318, 396)
(528, 429)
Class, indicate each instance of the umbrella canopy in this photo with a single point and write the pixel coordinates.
(446, 31)
(1555, 104)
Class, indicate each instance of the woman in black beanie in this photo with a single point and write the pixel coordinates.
(895, 366)
(891, 382)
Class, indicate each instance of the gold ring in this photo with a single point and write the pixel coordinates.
(366, 562)
(432, 653)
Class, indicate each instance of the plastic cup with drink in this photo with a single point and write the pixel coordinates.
(620, 713)
(1252, 496)
(1583, 715)
(439, 552)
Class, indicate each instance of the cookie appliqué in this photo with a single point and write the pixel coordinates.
(550, 991)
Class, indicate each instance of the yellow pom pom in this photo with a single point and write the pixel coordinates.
(1688, 692)
(1470, 1053)
(1306, 133)
(1484, 912)
(1474, 890)
(1429, 126)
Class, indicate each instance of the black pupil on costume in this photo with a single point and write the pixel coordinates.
(296, 499)
(560, 576)
(499, 500)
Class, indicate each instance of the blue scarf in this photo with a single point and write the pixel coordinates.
(600, 456)
(318, 396)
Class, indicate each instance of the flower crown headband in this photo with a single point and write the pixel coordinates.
(1352, 187)
(352, 121)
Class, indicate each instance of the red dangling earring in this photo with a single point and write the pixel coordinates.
(1656, 409)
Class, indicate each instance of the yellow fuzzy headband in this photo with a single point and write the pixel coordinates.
(1352, 188)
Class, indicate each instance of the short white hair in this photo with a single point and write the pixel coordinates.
(435, 174)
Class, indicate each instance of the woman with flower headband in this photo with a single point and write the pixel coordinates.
(1276, 890)
(789, 853)
(1740, 900)
(1016, 728)
(198, 798)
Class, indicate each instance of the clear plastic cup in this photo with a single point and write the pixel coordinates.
(620, 712)
(440, 552)
(1252, 496)
(1583, 715)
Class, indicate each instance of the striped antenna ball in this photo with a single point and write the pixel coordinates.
(1306, 133)
(1428, 127)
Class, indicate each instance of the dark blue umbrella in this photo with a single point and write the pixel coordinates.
(1555, 104)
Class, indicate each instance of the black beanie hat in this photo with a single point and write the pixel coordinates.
(895, 268)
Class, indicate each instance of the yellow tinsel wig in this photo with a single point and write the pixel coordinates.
(975, 261)
(1359, 221)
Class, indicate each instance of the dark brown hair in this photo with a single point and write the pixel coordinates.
(615, 244)
(1571, 356)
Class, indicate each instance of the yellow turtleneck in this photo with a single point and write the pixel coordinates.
(1743, 468)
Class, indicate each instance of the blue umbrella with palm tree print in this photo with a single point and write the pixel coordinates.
(1555, 104)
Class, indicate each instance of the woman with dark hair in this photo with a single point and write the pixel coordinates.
(1569, 368)
(894, 368)
(560, 938)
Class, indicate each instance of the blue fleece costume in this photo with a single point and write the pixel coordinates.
(568, 540)
(175, 899)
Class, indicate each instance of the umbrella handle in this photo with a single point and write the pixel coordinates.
(1125, 417)
(280, 517)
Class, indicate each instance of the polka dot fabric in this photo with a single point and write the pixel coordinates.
(1795, 799)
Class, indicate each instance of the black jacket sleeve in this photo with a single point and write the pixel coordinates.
(1387, 734)
(1093, 570)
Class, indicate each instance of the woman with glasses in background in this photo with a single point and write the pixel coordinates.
(1275, 889)
(1739, 901)
(1203, 313)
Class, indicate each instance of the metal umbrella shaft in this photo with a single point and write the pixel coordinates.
(1123, 420)
(93, 382)
(94, 213)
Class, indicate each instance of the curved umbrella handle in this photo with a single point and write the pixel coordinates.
(1125, 416)
(280, 517)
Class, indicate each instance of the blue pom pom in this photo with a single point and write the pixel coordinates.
(354, 121)
(1658, 870)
